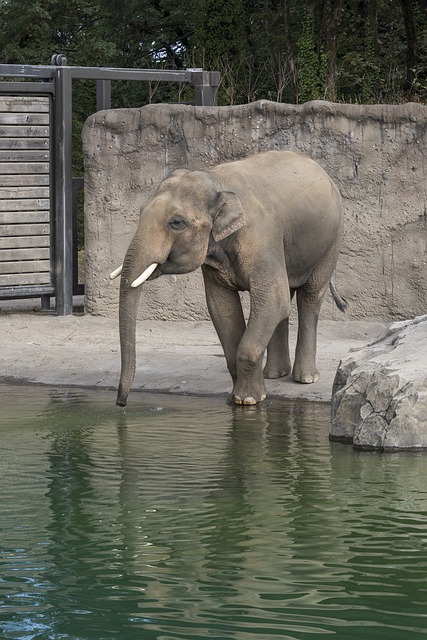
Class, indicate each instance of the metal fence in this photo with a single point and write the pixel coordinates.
(38, 211)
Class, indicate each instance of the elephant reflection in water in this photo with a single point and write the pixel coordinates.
(152, 519)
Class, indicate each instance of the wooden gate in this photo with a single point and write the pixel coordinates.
(25, 198)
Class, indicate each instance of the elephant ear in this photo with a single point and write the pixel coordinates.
(228, 215)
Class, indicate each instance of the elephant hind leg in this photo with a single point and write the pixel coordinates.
(309, 304)
(309, 300)
(278, 362)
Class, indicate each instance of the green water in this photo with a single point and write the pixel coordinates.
(184, 518)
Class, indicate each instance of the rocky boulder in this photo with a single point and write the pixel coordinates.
(379, 395)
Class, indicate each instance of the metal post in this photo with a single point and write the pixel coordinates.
(78, 289)
(103, 94)
(45, 303)
(206, 87)
(63, 193)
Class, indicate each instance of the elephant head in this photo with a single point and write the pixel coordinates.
(172, 237)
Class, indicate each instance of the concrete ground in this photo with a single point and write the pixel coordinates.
(175, 357)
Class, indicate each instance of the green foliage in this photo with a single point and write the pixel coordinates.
(370, 81)
(214, 17)
(309, 81)
(284, 50)
(293, 50)
(32, 30)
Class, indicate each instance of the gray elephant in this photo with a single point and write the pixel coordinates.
(270, 224)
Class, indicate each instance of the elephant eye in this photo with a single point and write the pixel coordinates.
(177, 223)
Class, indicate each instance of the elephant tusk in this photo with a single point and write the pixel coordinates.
(116, 273)
(144, 275)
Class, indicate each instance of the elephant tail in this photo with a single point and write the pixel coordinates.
(339, 300)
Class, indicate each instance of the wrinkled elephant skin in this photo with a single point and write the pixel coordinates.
(270, 224)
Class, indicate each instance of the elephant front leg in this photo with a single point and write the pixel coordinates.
(267, 319)
(249, 388)
(226, 312)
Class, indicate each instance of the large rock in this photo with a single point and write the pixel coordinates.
(379, 396)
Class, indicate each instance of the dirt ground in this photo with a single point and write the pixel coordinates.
(174, 357)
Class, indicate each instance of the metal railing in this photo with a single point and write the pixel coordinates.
(56, 80)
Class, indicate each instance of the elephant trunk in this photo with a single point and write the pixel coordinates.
(129, 299)
(134, 272)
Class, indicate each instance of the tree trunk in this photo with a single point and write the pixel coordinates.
(333, 14)
(411, 46)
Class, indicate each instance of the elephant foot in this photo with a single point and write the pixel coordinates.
(272, 374)
(248, 400)
(249, 392)
(277, 366)
(305, 376)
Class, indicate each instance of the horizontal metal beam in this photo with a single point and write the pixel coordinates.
(26, 71)
(32, 291)
(94, 73)
(11, 88)
(107, 73)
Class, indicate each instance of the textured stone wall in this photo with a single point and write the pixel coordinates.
(376, 155)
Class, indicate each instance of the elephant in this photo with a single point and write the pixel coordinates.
(270, 224)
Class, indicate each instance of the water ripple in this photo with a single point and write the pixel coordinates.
(200, 520)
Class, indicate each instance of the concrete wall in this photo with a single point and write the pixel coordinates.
(375, 154)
